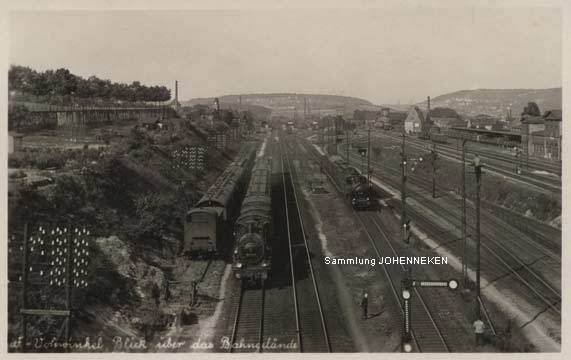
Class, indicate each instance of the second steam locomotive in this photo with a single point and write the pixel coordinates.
(355, 185)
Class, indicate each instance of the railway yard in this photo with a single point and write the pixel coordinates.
(303, 304)
(265, 179)
(252, 275)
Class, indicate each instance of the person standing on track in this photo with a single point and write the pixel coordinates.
(193, 294)
(478, 331)
(156, 294)
(364, 305)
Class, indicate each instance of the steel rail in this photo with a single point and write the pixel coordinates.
(315, 288)
(295, 300)
(387, 273)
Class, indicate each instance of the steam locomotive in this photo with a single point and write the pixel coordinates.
(358, 191)
(252, 253)
(355, 185)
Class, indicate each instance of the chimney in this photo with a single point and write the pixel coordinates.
(428, 111)
(176, 91)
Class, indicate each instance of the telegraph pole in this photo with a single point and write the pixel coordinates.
(69, 288)
(403, 192)
(478, 171)
(24, 305)
(464, 248)
(434, 170)
(347, 135)
(369, 157)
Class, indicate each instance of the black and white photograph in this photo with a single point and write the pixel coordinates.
(383, 177)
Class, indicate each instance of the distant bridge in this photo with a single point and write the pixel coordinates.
(52, 117)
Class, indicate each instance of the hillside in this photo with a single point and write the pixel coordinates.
(287, 104)
(495, 102)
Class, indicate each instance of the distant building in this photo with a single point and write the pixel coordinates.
(396, 119)
(514, 125)
(413, 120)
(552, 134)
(541, 135)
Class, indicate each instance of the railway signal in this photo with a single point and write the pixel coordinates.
(363, 153)
(404, 236)
(464, 247)
(518, 162)
(407, 333)
(55, 256)
(407, 232)
(433, 161)
(407, 287)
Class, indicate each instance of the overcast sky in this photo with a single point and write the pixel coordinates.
(382, 55)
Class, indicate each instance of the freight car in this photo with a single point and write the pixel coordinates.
(208, 225)
(252, 252)
(439, 138)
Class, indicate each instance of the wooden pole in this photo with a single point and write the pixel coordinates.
(369, 156)
(24, 299)
(478, 242)
(433, 170)
(69, 285)
(403, 190)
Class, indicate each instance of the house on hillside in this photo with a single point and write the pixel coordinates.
(414, 119)
(448, 122)
(482, 121)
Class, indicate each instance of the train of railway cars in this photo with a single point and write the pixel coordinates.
(252, 250)
(208, 225)
(356, 187)
(434, 136)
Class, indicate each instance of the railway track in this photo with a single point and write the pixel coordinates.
(543, 183)
(248, 326)
(549, 166)
(310, 319)
(426, 333)
(505, 258)
(550, 244)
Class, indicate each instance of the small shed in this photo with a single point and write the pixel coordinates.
(15, 142)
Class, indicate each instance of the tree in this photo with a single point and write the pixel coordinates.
(248, 120)
(64, 82)
(155, 213)
(16, 116)
(21, 78)
(531, 109)
(444, 112)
